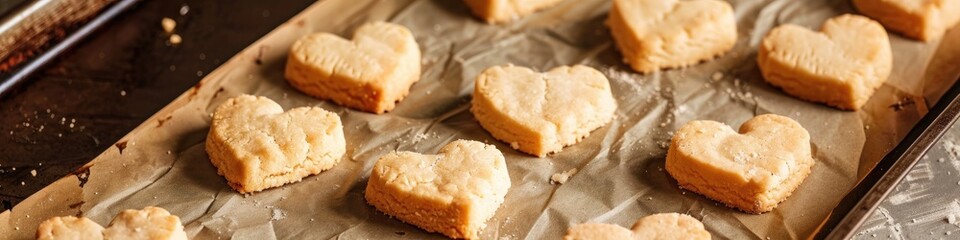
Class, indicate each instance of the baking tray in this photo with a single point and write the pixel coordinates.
(853, 208)
(35, 32)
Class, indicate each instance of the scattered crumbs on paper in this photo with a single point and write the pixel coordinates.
(562, 177)
(717, 76)
(952, 148)
(419, 137)
(168, 24)
(278, 214)
(952, 219)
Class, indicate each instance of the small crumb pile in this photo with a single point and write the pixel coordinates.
(169, 25)
(561, 178)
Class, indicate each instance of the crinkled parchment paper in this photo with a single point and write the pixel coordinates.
(620, 177)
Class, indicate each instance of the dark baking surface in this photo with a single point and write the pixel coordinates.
(75, 108)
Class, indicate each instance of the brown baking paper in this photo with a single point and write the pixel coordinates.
(621, 175)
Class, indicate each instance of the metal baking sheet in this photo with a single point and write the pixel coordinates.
(163, 162)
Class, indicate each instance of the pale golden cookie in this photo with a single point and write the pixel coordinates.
(663, 226)
(841, 66)
(69, 228)
(497, 11)
(920, 19)
(454, 192)
(372, 72)
(151, 223)
(540, 113)
(656, 34)
(255, 145)
(753, 170)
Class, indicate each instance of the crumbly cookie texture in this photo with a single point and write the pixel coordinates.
(841, 66)
(540, 113)
(372, 72)
(753, 170)
(925, 20)
(453, 193)
(255, 145)
(498, 11)
(698, 30)
(69, 228)
(663, 226)
(151, 223)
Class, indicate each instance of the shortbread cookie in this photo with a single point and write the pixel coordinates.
(540, 113)
(69, 228)
(921, 19)
(656, 34)
(372, 72)
(255, 145)
(840, 66)
(454, 192)
(496, 11)
(753, 170)
(151, 223)
(665, 226)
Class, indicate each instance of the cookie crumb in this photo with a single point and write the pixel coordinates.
(184, 9)
(717, 76)
(33, 172)
(278, 214)
(175, 39)
(168, 24)
(561, 178)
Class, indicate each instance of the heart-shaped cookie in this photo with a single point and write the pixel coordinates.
(150, 223)
(665, 226)
(70, 227)
(840, 66)
(454, 192)
(924, 20)
(496, 11)
(753, 170)
(655, 34)
(255, 145)
(540, 113)
(372, 72)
